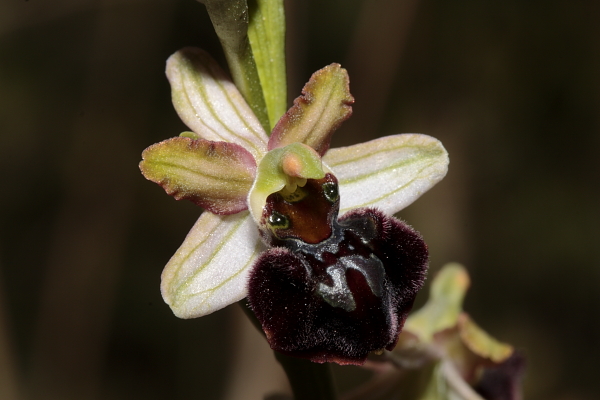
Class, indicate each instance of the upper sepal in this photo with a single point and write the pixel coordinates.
(444, 306)
(209, 103)
(215, 175)
(324, 104)
(442, 322)
(471, 359)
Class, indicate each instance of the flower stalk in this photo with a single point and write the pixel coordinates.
(266, 32)
(230, 19)
(308, 380)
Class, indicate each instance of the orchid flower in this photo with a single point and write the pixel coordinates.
(468, 355)
(443, 354)
(229, 166)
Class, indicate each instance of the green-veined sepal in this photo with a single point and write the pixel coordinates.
(388, 173)
(210, 104)
(210, 269)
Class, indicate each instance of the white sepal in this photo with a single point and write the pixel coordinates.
(210, 104)
(388, 173)
(210, 269)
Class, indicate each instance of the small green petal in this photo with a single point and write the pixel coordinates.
(481, 343)
(210, 104)
(215, 175)
(444, 305)
(280, 168)
(324, 104)
(210, 270)
(388, 173)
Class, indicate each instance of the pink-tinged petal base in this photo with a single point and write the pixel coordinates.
(215, 175)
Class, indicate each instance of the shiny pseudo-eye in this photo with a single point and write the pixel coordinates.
(278, 221)
(330, 191)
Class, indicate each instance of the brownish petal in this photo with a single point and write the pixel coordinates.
(324, 104)
(215, 175)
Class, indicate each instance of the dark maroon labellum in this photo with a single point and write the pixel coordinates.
(333, 290)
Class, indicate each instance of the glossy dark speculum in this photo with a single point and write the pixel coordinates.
(329, 289)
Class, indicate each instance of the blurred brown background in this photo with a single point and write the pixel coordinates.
(511, 88)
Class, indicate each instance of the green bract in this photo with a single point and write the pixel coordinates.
(442, 319)
(229, 165)
(231, 21)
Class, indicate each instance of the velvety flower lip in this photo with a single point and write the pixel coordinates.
(227, 145)
(329, 289)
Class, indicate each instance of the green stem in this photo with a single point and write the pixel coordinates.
(245, 76)
(230, 20)
(266, 32)
(309, 381)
